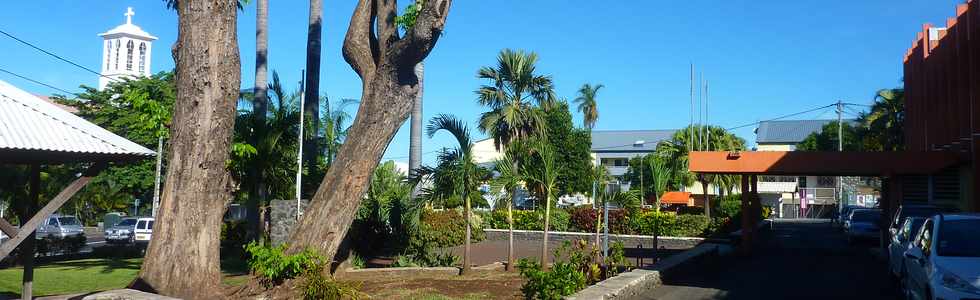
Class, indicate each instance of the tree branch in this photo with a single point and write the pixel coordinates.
(419, 41)
(360, 45)
(386, 10)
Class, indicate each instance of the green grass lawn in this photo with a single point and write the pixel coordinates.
(89, 275)
(71, 277)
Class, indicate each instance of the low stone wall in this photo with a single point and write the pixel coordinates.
(281, 219)
(632, 284)
(629, 241)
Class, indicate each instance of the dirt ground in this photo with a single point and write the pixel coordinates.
(490, 285)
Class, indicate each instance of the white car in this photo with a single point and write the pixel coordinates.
(900, 242)
(943, 262)
(143, 231)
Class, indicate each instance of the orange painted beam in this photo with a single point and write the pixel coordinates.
(821, 163)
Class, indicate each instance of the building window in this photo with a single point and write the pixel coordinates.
(108, 54)
(142, 57)
(116, 67)
(826, 181)
(129, 56)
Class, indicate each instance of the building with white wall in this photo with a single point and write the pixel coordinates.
(126, 52)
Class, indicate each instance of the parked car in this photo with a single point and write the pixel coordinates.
(122, 232)
(844, 213)
(863, 224)
(60, 226)
(900, 243)
(943, 262)
(911, 210)
(143, 231)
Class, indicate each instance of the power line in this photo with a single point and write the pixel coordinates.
(53, 55)
(37, 82)
(783, 117)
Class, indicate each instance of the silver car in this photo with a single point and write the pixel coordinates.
(122, 232)
(60, 226)
(900, 243)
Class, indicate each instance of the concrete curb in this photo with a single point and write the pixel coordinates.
(631, 284)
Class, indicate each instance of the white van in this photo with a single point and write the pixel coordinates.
(143, 231)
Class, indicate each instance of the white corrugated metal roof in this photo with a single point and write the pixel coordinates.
(28, 123)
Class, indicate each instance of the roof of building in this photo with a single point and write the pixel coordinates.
(129, 29)
(788, 131)
(629, 140)
(675, 198)
(34, 130)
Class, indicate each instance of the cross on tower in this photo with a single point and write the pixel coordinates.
(129, 15)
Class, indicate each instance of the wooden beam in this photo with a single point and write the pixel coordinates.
(27, 228)
(7, 229)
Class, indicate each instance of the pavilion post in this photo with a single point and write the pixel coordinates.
(28, 208)
(746, 245)
(756, 201)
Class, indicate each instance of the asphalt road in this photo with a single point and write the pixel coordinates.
(798, 259)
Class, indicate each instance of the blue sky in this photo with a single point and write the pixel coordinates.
(763, 58)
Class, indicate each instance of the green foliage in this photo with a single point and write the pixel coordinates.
(691, 225)
(427, 259)
(407, 20)
(316, 285)
(577, 267)
(573, 148)
(730, 205)
(357, 261)
(273, 266)
(387, 215)
(827, 140)
(51, 245)
(561, 280)
(446, 228)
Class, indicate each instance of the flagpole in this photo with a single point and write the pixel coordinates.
(299, 155)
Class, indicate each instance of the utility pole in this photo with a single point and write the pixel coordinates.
(840, 148)
(299, 156)
(690, 142)
(156, 181)
(707, 136)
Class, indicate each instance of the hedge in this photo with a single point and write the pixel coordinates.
(641, 222)
(447, 228)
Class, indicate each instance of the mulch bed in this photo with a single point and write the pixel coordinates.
(487, 285)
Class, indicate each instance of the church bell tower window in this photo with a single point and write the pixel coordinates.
(129, 56)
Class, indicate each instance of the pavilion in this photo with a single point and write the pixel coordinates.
(34, 132)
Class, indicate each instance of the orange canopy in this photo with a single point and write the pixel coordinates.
(676, 198)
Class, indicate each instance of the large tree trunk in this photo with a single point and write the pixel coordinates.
(260, 107)
(182, 260)
(385, 63)
(415, 145)
(312, 106)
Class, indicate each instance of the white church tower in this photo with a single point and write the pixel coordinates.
(126, 51)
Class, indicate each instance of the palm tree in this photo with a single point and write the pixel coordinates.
(586, 101)
(512, 116)
(312, 84)
(545, 177)
(457, 164)
(509, 180)
(334, 120)
(600, 175)
(405, 22)
(887, 117)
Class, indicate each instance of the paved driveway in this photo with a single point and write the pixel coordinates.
(799, 259)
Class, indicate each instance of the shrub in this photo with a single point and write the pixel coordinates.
(315, 285)
(357, 262)
(583, 218)
(273, 266)
(446, 228)
(562, 280)
(646, 222)
(691, 225)
(730, 206)
(51, 245)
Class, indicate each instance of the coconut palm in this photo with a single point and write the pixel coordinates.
(334, 120)
(405, 22)
(509, 180)
(600, 175)
(545, 178)
(458, 165)
(586, 101)
(511, 97)
(886, 118)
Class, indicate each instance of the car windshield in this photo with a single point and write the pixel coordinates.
(959, 238)
(916, 225)
(127, 222)
(866, 215)
(67, 221)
